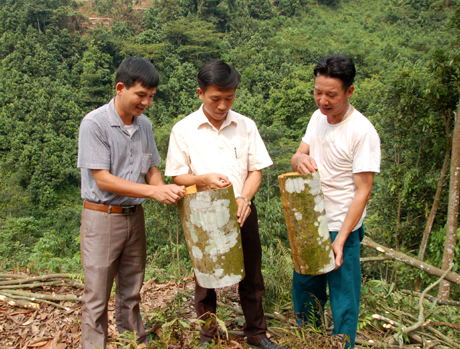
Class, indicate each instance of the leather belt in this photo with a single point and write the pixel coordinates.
(111, 209)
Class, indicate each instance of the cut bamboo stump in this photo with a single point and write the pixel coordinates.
(213, 236)
(303, 204)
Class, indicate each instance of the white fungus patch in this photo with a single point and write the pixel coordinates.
(295, 185)
(216, 279)
(196, 252)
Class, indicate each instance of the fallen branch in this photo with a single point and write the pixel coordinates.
(437, 333)
(374, 259)
(57, 305)
(36, 278)
(421, 315)
(401, 257)
(431, 298)
(393, 325)
(35, 296)
(32, 285)
(12, 276)
(454, 326)
(18, 302)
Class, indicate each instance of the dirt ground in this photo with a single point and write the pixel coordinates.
(51, 327)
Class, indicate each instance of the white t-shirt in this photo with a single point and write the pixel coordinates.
(197, 147)
(340, 150)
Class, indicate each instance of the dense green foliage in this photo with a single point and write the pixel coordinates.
(56, 65)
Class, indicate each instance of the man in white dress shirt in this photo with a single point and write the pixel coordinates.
(211, 148)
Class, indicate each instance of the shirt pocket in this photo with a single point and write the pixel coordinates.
(145, 163)
(241, 156)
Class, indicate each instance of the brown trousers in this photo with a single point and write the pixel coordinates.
(251, 288)
(112, 246)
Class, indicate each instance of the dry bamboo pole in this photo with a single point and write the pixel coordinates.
(213, 236)
(306, 220)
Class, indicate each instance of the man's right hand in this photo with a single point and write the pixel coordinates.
(168, 194)
(306, 164)
(216, 180)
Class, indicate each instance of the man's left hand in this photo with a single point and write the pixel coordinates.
(338, 253)
(243, 211)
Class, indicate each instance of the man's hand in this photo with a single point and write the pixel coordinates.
(243, 211)
(168, 194)
(306, 164)
(216, 180)
(302, 162)
(337, 248)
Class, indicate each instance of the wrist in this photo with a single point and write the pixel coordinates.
(245, 199)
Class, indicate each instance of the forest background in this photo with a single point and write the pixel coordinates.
(58, 59)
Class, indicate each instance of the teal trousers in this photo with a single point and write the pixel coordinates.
(310, 295)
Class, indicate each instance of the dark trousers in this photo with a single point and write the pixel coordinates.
(344, 291)
(112, 247)
(251, 288)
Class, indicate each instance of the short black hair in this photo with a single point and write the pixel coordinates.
(133, 70)
(218, 73)
(337, 66)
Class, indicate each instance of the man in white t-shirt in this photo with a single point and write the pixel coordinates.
(344, 147)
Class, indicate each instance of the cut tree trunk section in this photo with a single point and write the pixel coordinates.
(213, 236)
(303, 204)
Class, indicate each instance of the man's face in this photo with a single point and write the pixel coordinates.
(216, 103)
(330, 96)
(134, 100)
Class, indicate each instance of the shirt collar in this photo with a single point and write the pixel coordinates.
(114, 117)
(202, 119)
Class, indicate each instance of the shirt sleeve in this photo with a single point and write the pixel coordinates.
(156, 159)
(258, 157)
(178, 158)
(93, 149)
(367, 153)
(309, 131)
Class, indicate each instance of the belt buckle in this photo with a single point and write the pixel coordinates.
(128, 209)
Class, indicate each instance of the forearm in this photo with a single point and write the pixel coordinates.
(154, 177)
(252, 184)
(207, 181)
(354, 213)
(363, 186)
(295, 161)
(116, 185)
(190, 179)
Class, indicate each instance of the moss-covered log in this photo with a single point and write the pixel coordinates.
(213, 236)
(303, 203)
